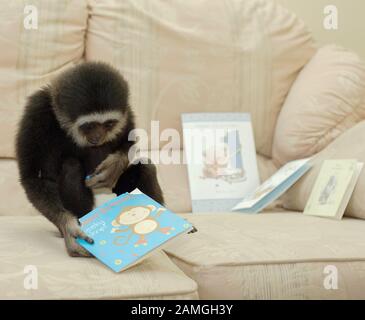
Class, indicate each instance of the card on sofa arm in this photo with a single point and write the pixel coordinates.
(221, 158)
(273, 187)
(128, 228)
(333, 188)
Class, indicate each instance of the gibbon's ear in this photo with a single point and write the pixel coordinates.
(151, 207)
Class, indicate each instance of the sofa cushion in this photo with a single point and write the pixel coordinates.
(33, 241)
(173, 179)
(272, 256)
(199, 56)
(31, 57)
(326, 99)
(15, 202)
(348, 145)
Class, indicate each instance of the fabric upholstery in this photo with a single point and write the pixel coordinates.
(243, 56)
(326, 99)
(348, 145)
(31, 57)
(173, 179)
(287, 281)
(14, 201)
(272, 256)
(175, 183)
(35, 241)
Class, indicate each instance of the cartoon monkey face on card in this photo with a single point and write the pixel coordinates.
(132, 215)
(139, 221)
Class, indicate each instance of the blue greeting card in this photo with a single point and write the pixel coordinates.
(129, 227)
(274, 187)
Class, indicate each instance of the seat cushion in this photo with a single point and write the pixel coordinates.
(272, 256)
(15, 201)
(34, 241)
(177, 195)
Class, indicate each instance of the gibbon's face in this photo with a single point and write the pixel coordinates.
(90, 102)
(98, 128)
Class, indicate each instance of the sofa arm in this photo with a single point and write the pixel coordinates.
(348, 145)
(326, 99)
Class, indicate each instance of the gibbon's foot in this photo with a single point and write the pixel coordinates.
(106, 175)
(74, 249)
(70, 231)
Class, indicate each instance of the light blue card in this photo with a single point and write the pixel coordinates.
(221, 157)
(273, 187)
(129, 227)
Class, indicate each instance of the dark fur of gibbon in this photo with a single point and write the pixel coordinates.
(74, 127)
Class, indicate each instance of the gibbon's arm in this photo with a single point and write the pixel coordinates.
(32, 148)
(140, 174)
(36, 149)
(107, 173)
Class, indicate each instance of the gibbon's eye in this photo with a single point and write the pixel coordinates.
(87, 127)
(110, 124)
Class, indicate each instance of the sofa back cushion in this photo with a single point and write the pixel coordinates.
(178, 56)
(201, 56)
(173, 180)
(348, 145)
(326, 99)
(29, 58)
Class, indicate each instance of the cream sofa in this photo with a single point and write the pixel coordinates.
(186, 56)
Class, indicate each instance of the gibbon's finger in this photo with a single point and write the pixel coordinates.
(82, 235)
(93, 180)
(74, 249)
(115, 162)
(102, 166)
(82, 252)
(106, 179)
(78, 251)
(101, 184)
(110, 161)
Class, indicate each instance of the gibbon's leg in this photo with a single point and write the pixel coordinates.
(74, 195)
(142, 176)
(45, 197)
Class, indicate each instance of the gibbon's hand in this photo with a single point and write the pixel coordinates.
(106, 175)
(70, 231)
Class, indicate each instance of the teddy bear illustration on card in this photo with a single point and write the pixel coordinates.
(140, 221)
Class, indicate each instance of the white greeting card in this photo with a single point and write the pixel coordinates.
(333, 188)
(221, 158)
